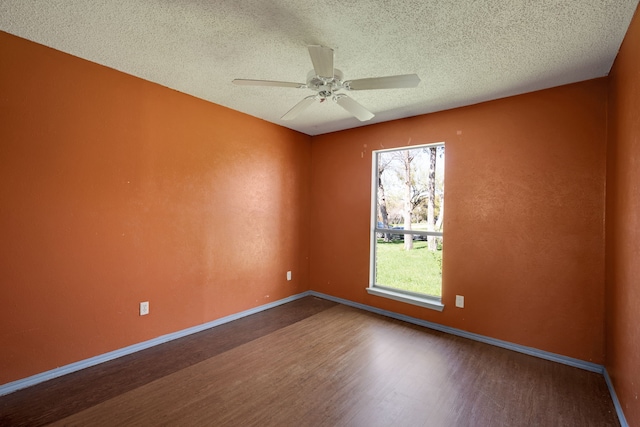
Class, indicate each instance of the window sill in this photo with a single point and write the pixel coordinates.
(422, 301)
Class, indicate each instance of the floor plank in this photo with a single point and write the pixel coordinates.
(340, 366)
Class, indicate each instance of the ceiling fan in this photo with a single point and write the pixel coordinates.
(327, 82)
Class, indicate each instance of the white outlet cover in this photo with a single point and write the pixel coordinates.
(460, 301)
(288, 275)
(144, 308)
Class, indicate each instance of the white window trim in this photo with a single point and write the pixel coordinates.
(415, 299)
(421, 300)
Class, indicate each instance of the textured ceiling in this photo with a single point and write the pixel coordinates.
(465, 51)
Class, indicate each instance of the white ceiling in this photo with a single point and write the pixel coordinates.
(465, 51)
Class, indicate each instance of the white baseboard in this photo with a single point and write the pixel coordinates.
(82, 364)
(593, 367)
(73, 367)
(616, 402)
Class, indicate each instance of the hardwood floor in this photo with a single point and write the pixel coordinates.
(317, 363)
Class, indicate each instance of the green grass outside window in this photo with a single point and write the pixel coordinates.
(418, 270)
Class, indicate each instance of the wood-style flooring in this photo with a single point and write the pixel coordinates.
(313, 362)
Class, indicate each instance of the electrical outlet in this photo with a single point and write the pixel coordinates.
(144, 308)
(459, 301)
(288, 275)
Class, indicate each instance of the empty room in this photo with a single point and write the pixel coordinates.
(233, 213)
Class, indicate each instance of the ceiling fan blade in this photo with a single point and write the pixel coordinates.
(354, 108)
(389, 82)
(244, 82)
(322, 58)
(299, 108)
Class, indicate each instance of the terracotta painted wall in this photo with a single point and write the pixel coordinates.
(524, 223)
(115, 191)
(623, 226)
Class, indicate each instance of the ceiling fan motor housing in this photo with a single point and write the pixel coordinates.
(325, 87)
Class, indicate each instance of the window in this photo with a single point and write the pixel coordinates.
(406, 224)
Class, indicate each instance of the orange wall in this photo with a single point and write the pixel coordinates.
(524, 223)
(115, 191)
(623, 226)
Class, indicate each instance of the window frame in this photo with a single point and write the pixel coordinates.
(422, 300)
